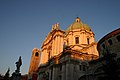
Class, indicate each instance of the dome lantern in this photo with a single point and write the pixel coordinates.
(77, 19)
(77, 24)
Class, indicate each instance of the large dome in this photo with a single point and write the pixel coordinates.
(77, 24)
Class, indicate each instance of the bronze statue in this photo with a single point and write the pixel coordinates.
(16, 75)
(18, 64)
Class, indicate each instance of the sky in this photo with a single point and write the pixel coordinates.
(24, 24)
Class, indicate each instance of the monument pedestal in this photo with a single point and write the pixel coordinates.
(16, 76)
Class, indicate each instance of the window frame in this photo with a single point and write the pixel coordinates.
(36, 54)
(88, 40)
(110, 41)
(76, 40)
(118, 38)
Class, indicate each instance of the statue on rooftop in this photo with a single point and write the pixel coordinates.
(16, 75)
(18, 64)
(55, 26)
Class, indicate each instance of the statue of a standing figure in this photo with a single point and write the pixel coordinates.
(16, 75)
(18, 64)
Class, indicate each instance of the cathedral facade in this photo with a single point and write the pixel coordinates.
(65, 54)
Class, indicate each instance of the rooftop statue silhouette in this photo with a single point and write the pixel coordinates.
(16, 75)
(18, 64)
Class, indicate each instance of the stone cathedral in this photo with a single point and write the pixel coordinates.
(64, 54)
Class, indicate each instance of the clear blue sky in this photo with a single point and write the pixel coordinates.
(25, 23)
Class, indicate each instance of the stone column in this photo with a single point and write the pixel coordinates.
(42, 60)
(56, 45)
(52, 48)
(83, 38)
(53, 76)
(49, 74)
(46, 55)
(63, 72)
(77, 71)
(69, 71)
(56, 73)
(61, 44)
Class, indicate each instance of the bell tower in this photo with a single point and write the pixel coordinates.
(34, 63)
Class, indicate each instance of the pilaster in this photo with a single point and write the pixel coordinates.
(49, 74)
(63, 72)
(54, 72)
(69, 71)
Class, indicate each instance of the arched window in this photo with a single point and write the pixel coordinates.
(76, 40)
(84, 67)
(118, 38)
(61, 67)
(80, 67)
(103, 45)
(36, 54)
(88, 40)
(118, 61)
(110, 41)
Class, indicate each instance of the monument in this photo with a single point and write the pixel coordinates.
(16, 75)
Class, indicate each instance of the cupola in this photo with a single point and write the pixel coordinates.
(77, 24)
